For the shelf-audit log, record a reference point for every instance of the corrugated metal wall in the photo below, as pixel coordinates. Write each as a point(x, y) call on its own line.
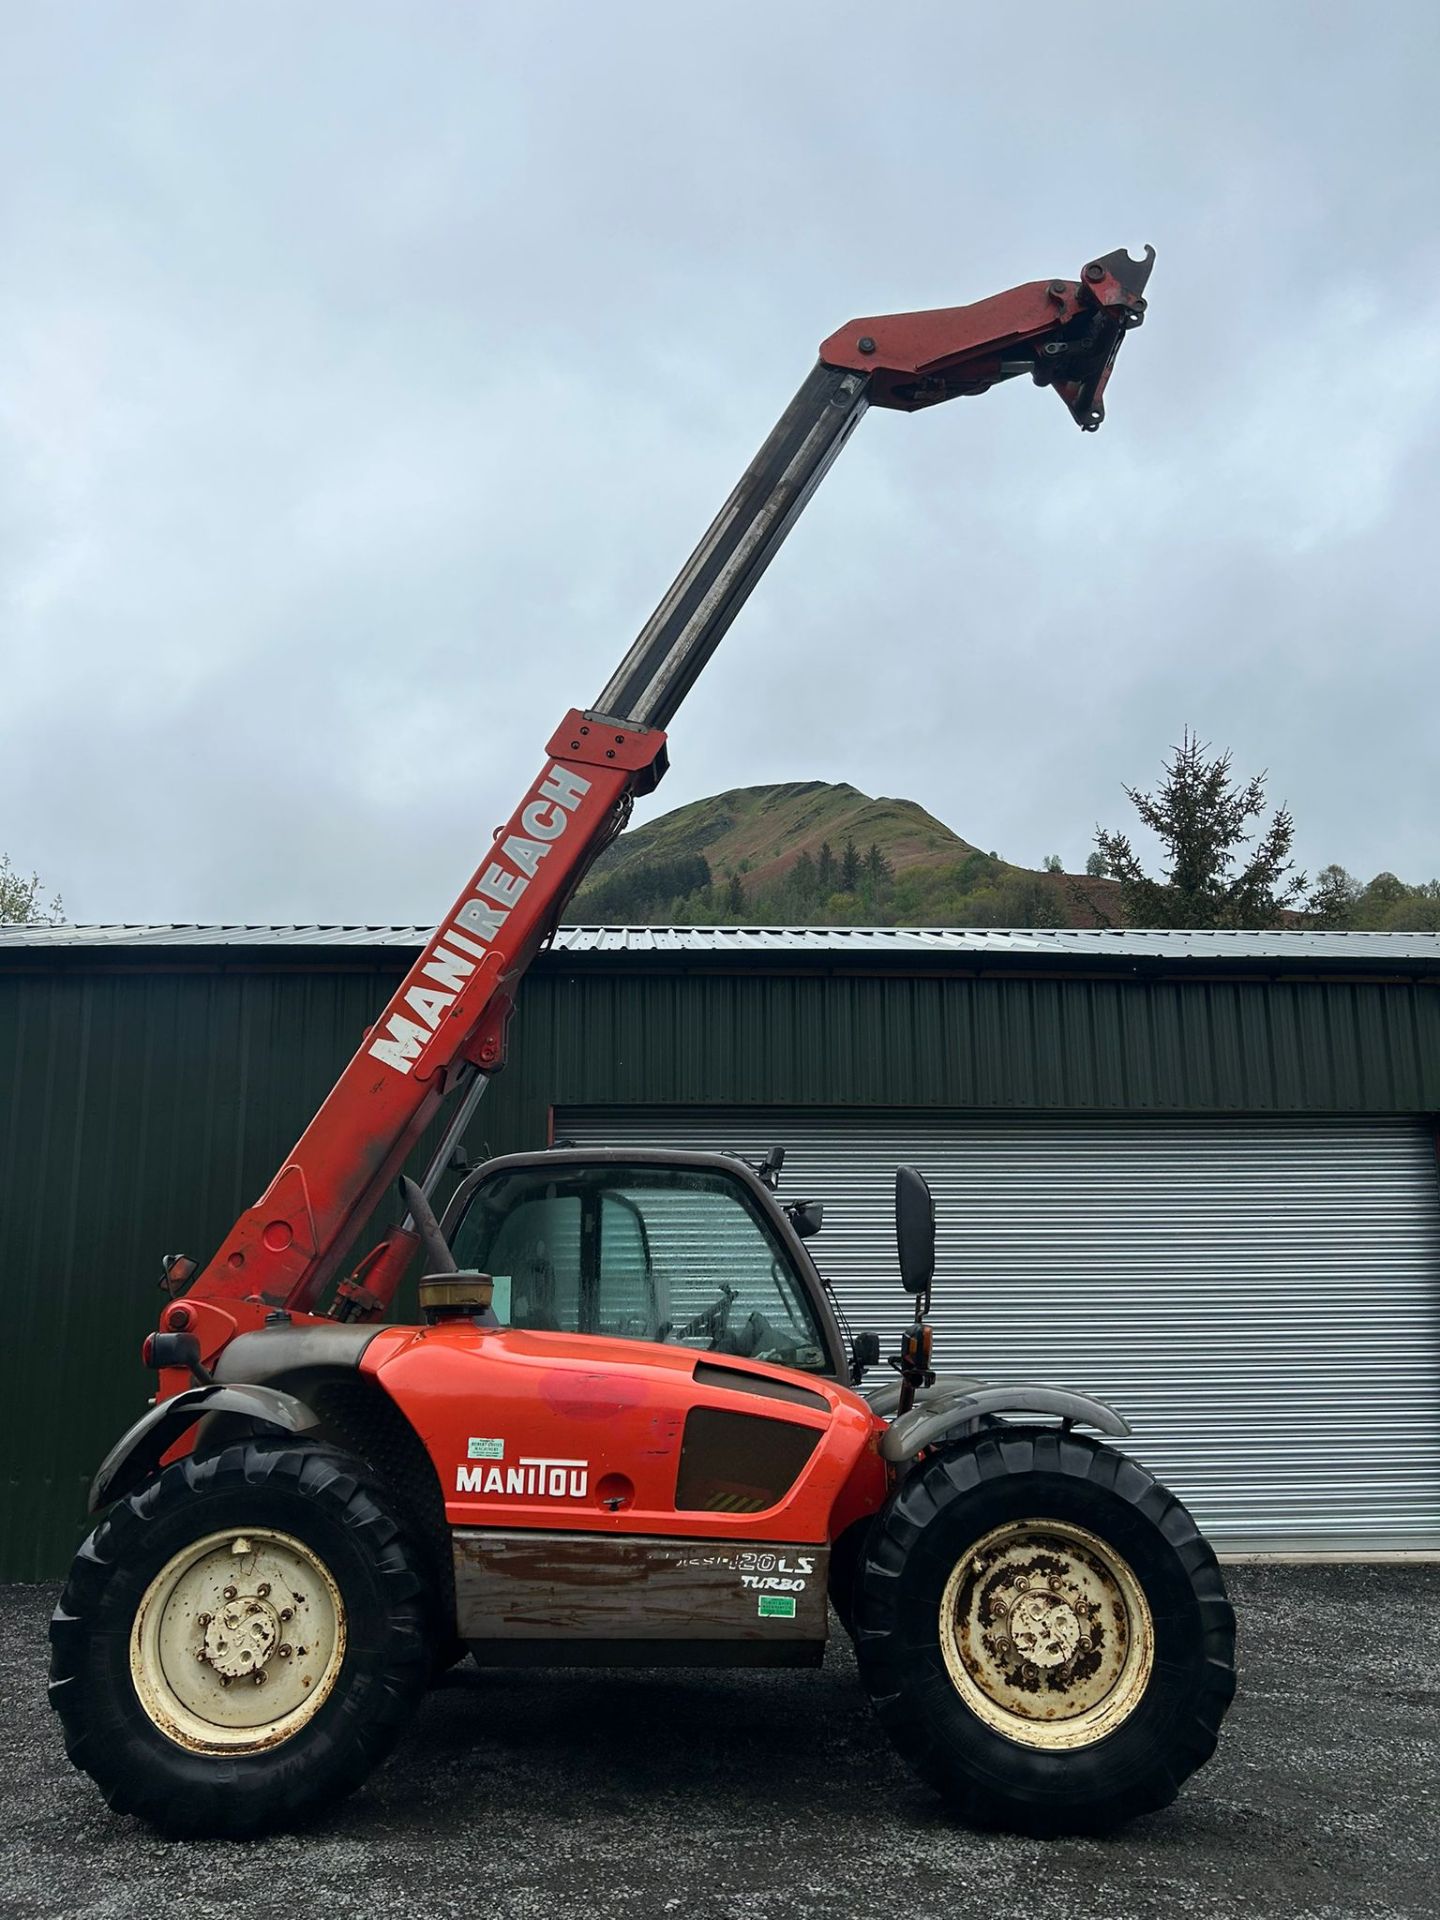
point(1224, 1046)
point(1259, 1297)
point(140, 1112)
point(141, 1108)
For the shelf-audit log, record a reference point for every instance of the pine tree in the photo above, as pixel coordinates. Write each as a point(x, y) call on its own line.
point(825, 870)
point(850, 866)
point(1202, 820)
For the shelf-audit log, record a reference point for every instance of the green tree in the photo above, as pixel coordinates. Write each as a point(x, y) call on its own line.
point(1095, 866)
point(825, 869)
point(20, 899)
point(878, 870)
point(803, 881)
point(1385, 892)
point(1028, 902)
point(735, 895)
point(1334, 897)
point(1387, 905)
point(850, 866)
point(1421, 912)
point(1215, 877)
point(1427, 907)
point(645, 891)
point(1054, 864)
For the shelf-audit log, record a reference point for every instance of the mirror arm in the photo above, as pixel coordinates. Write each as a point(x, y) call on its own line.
point(913, 1360)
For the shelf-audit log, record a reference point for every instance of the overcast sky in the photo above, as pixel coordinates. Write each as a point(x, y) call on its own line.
point(367, 371)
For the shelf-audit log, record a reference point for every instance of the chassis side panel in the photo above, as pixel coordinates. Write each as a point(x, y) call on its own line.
point(576, 1587)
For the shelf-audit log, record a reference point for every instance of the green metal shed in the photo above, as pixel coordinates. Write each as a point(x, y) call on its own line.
point(1195, 1173)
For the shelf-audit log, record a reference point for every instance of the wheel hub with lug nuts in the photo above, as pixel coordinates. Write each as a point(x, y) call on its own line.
point(242, 1636)
point(1046, 1634)
point(231, 1614)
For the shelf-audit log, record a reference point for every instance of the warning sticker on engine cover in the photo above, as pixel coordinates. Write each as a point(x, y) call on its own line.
point(777, 1606)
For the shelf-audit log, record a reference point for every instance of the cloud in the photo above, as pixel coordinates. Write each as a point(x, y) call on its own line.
point(365, 374)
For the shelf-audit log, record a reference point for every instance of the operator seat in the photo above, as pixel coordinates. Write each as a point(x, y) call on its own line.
point(532, 1292)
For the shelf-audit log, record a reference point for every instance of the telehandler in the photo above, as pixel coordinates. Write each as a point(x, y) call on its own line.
point(632, 1426)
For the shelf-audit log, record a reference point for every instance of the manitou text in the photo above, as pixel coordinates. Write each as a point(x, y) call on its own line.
point(537, 1479)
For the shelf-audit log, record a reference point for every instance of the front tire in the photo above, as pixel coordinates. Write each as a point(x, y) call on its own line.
point(1044, 1633)
point(240, 1641)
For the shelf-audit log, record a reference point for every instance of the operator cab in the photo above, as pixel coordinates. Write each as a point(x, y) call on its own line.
point(688, 1249)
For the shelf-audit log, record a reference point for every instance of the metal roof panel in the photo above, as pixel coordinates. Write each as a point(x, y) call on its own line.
point(1128, 943)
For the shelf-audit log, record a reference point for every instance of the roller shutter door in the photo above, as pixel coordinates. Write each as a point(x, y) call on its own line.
point(1261, 1299)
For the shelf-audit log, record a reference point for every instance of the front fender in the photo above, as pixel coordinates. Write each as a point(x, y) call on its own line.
point(137, 1453)
point(939, 1415)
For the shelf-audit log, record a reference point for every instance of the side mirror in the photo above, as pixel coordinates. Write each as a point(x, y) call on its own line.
point(914, 1229)
point(863, 1355)
point(806, 1217)
point(769, 1167)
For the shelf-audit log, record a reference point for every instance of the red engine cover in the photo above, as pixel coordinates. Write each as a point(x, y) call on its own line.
point(561, 1431)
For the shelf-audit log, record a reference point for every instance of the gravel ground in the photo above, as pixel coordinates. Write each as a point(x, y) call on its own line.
point(774, 1795)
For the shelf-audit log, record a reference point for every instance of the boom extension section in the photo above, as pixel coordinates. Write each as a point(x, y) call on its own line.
point(444, 1029)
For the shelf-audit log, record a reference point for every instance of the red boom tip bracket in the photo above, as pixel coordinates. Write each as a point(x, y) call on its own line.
point(1064, 333)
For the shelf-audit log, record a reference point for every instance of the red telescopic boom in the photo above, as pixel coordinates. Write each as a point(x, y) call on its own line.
point(443, 1032)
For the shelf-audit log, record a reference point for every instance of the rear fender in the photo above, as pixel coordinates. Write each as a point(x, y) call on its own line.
point(137, 1453)
point(945, 1414)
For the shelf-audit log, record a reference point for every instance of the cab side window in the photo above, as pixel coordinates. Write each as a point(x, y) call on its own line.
point(674, 1254)
point(533, 1250)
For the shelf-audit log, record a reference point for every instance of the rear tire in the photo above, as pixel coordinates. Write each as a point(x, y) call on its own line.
point(1044, 1633)
point(272, 1560)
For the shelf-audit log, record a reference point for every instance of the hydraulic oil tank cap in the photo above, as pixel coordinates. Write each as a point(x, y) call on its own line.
point(455, 1296)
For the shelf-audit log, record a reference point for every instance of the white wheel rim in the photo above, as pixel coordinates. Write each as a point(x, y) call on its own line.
point(238, 1641)
point(1047, 1634)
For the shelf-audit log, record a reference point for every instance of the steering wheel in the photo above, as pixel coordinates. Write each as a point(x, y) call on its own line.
point(714, 1319)
point(720, 1314)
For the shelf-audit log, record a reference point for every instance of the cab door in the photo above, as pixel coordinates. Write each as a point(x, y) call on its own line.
point(680, 1249)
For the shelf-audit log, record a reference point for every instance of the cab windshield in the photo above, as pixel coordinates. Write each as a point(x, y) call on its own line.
point(672, 1254)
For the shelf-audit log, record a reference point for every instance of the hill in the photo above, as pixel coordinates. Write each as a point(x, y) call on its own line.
point(819, 853)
